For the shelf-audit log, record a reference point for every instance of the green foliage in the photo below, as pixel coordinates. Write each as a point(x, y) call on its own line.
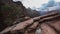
point(13, 12)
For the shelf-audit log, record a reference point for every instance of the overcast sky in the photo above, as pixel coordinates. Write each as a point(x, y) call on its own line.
point(34, 3)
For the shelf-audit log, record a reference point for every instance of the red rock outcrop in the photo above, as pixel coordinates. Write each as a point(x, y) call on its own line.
point(49, 24)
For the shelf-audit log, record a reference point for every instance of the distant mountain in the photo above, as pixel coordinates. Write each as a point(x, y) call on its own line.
point(32, 13)
point(51, 5)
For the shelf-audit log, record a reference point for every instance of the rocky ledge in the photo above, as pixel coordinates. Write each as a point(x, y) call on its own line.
point(49, 24)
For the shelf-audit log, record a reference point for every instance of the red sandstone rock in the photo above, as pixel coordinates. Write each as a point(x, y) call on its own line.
point(47, 29)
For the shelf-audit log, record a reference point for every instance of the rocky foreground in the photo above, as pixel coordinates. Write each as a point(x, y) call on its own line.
point(46, 24)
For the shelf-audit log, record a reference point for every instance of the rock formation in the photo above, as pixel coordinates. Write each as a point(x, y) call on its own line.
point(49, 24)
point(12, 13)
point(32, 13)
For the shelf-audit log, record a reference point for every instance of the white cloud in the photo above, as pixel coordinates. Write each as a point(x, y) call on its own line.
point(17, 0)
point(33, 3)
point(57, 0)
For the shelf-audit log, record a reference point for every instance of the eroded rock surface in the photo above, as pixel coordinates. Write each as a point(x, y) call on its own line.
point(49, 24)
